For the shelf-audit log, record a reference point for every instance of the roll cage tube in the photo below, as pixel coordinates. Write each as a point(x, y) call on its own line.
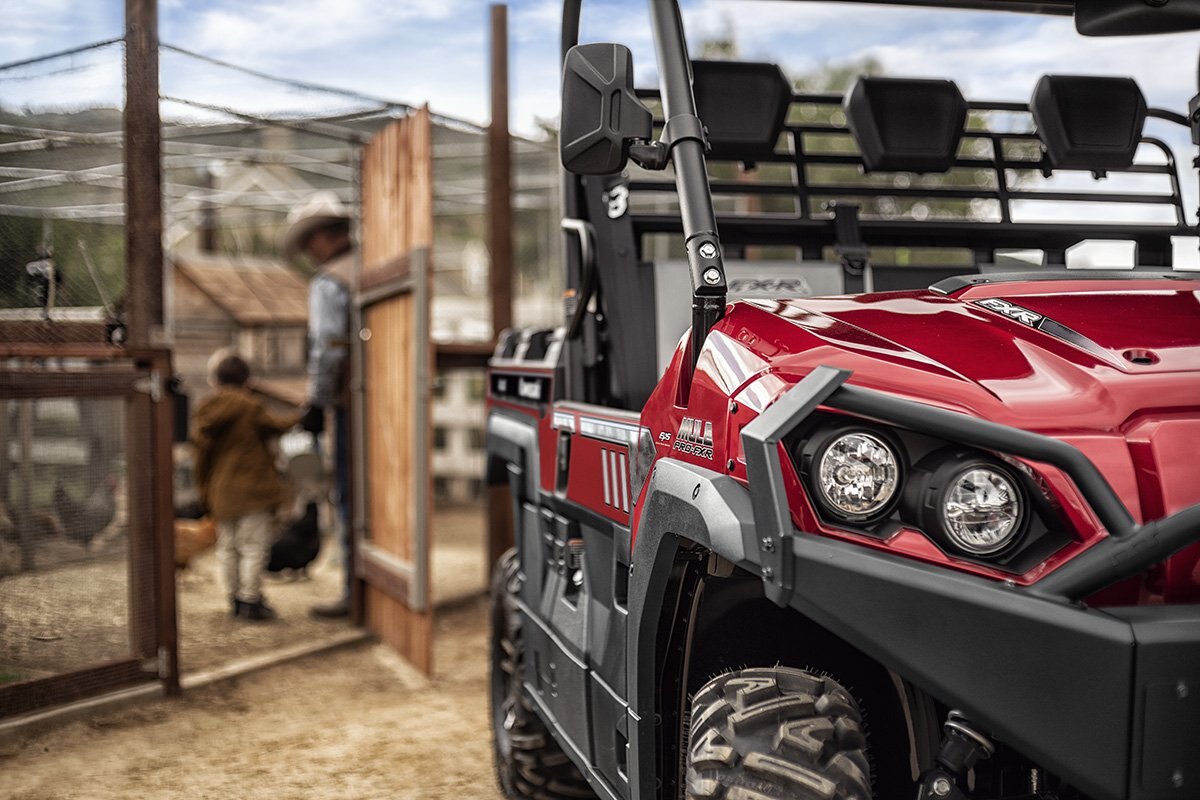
point(683, 134)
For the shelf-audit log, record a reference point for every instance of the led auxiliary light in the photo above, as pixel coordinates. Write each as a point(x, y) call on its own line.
point(857, 475)
point(982, 509)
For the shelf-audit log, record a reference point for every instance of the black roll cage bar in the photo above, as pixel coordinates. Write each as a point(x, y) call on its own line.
point(704, 255)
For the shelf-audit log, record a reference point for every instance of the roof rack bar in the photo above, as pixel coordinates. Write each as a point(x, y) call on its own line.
point(917, 193)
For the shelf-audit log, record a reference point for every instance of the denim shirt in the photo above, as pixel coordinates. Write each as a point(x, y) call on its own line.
point(329, 330)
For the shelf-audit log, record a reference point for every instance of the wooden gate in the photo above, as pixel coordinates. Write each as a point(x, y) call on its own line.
point(393, 359)
point(87, 581)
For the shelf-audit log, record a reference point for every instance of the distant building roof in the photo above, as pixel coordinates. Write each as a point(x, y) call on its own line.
point(254, 291)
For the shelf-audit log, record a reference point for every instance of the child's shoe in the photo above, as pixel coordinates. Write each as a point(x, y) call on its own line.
point(258, 611)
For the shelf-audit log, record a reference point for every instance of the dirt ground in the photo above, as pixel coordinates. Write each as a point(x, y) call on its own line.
point(209, 638)
point(73, 611)
point(355, 723)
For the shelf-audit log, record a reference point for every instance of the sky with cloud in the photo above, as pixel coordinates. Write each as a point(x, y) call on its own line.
point(436, 50)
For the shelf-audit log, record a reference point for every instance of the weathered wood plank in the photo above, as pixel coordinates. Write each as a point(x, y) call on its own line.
point(397, 221)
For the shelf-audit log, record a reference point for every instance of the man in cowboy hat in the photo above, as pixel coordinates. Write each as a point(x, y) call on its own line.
point(319, 229)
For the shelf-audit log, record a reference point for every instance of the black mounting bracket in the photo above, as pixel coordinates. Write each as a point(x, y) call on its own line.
point(679, 128)
point(853, 252)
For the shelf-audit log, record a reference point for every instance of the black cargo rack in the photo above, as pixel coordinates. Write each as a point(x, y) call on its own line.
point(1005, 157)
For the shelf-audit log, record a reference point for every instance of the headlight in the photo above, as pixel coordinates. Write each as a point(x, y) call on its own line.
point(981, 509)
point(857, 475)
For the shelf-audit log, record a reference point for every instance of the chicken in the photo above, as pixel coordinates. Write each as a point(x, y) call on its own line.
point(84, 521)
point(193, 510)
point(299, 544)
point(193, 537)
point(26, 530)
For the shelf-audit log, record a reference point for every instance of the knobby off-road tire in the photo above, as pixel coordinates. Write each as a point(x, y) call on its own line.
point(529, 763)
point(770, 734)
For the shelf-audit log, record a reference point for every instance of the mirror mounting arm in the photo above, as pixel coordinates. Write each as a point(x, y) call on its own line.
point(657, 155)
point(653, 156)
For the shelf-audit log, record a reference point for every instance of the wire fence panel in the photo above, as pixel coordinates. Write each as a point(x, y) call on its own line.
point(63, 534)
point(79, 607)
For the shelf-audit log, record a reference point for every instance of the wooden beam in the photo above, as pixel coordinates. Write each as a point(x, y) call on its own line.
point(385, 571)
point(83, 349)
point(500, 243)
point(163, 526)
point(500, 214)
point(38, 334)
point(143, 176)
point(462, 355)
point(33, 695)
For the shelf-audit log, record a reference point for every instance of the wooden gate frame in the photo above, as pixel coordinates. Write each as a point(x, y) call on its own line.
point(153, 627)
point(392, 412)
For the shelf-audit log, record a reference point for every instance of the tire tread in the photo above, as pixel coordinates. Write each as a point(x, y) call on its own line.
point(771, 734)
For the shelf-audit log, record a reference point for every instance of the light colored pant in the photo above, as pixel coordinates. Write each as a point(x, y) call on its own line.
point(243, 548)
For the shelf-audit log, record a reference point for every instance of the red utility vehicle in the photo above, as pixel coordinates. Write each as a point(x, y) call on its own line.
point(891, 518)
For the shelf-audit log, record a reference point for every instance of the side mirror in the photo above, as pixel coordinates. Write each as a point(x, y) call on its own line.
point(600, 113)
point(1131, 17)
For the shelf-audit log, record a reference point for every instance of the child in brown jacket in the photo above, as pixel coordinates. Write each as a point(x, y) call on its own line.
point(238, 482)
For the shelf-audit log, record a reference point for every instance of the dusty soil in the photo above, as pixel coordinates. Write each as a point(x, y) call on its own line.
point(355, 723)
point(73, 611)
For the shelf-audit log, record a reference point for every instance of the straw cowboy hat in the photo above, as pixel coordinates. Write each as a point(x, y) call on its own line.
point(319, 211)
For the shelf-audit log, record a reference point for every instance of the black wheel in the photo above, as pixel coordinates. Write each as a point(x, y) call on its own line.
point(771, 734)
point(529, 763)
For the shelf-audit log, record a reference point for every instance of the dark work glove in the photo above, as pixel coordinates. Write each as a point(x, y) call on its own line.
point(313, 420)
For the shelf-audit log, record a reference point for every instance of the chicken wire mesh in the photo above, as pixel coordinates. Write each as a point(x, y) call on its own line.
point(61, 193)
point(64, 537)
point(240, 148)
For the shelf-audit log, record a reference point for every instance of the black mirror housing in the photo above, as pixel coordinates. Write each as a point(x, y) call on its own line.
point(600, 113)
point(1132, 17)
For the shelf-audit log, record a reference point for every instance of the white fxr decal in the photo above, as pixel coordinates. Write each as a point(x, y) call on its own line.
point(1010, 310)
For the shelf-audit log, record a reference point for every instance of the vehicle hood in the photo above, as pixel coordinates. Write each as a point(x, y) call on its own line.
point(1042, 349)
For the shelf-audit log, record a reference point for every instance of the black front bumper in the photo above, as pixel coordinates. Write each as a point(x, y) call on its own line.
point(1109, 700)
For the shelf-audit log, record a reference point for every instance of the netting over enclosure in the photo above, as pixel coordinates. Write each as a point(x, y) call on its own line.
point(240, 148)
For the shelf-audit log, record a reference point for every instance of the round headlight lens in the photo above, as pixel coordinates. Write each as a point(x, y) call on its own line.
point(982, 510)
point(858, 474)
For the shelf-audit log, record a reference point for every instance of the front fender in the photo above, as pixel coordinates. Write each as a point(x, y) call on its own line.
point(1054, 680)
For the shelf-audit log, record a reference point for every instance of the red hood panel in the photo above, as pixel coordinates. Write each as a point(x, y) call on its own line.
point(1161, 326)
point(1085, 361)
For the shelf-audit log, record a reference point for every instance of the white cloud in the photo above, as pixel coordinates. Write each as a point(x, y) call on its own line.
point(1007, 66)
point(418, 50)
point(268, 29)
point(32, 29)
